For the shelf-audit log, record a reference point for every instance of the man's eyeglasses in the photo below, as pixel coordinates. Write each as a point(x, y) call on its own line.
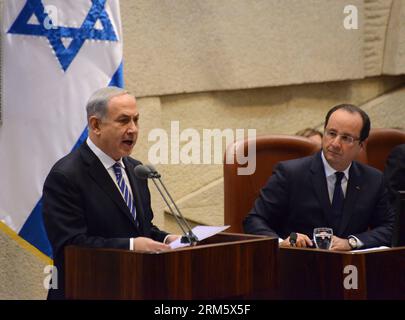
point(344, 138)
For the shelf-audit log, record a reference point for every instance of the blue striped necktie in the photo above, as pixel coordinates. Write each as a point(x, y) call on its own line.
point(124, 189)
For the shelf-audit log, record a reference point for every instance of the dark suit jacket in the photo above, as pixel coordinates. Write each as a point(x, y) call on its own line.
point(394, 171)
point(295, 199)
point(83, 206)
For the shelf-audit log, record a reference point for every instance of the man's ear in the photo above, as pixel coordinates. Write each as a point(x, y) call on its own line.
point(363, 144)
point(94, 124)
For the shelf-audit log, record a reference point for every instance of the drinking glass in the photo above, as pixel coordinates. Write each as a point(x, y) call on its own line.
point(323, 237)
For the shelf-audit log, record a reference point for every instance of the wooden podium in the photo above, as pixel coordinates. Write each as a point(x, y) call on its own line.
point(320, 274)
point(225, 266)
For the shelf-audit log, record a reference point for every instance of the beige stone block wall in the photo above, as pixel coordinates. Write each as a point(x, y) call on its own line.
point(21, 268)
point(376, 17)
point(394, 55)
point(205, 45)
point(220, 45)
point(388, 110)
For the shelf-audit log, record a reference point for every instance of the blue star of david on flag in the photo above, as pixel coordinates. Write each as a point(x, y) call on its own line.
point(46, 28)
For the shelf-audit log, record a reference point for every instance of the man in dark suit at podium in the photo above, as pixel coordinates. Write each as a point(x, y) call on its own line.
point(327, 189)
point(92, 197)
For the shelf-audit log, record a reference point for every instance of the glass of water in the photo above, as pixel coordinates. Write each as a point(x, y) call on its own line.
point(323, 237)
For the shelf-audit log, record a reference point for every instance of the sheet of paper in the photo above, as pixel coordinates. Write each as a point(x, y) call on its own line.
point(370, 249)
point(202, 232)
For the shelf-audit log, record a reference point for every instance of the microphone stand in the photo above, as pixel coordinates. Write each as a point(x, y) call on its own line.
point(189, 236)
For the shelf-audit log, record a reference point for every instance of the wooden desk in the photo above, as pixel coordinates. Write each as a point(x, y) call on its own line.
point(319, 274)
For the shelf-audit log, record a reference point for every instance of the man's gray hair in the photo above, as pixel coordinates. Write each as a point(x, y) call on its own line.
point(98, 102)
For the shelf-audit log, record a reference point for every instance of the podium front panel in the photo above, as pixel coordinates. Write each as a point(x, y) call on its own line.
point(226, 266)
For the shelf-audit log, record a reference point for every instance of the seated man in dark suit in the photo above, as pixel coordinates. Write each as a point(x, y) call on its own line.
point(394, 172)
point(92, 197)
point(327, 189)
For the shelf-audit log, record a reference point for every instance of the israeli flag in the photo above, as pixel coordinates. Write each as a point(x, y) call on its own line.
point(55, 54)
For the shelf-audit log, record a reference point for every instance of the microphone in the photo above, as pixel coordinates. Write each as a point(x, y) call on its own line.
point(143, 172)
point(293, 239)
point(149, 172)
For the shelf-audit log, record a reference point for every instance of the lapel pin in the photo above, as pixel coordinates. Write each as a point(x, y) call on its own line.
point(357, 187)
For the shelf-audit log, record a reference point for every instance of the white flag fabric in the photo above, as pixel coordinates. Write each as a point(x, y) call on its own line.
point(55, 55)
